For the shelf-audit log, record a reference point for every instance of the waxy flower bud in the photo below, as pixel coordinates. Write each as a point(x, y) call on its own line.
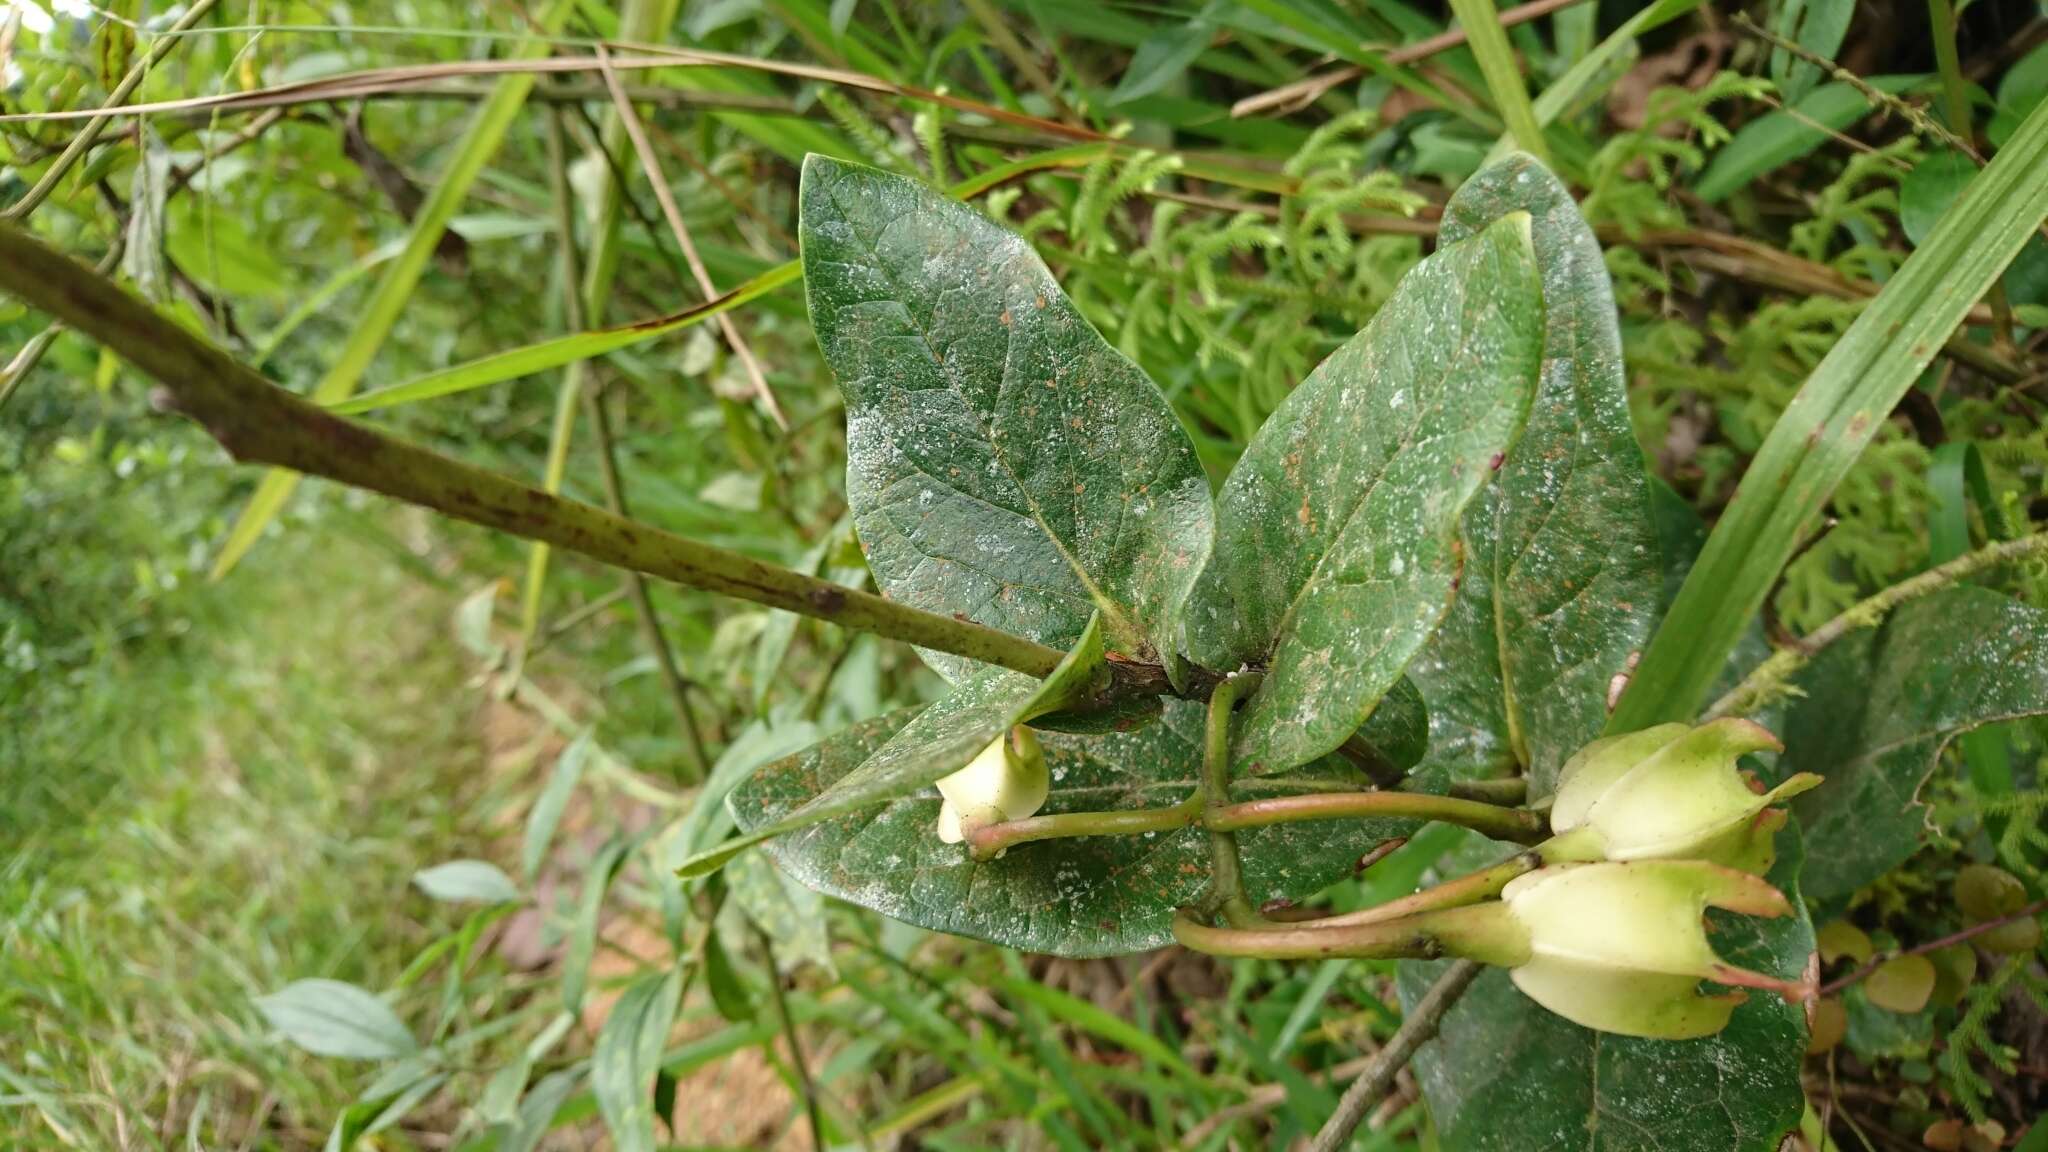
point(1007, 781)
point(1672, 792)
point(1623, 947)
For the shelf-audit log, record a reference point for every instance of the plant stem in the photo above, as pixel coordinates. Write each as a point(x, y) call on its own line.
point(607, 452)
point(1941, 19)
point(1973, 931)
point(805, 1084)
point(1226, 877)
point(1489, 819)
point(630, 121)
point(1770, 679)
point(1314, 940)
point(1416, 1030)
point(258, 422)
point(1508, 790)
point(1480, 932)
point(1472, 888)
point(992, 840)
point(90, 134)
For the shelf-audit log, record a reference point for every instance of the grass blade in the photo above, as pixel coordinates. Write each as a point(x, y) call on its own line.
point(395, 287)
point(553, 353)
point(1489, 42)
point(1835, 414)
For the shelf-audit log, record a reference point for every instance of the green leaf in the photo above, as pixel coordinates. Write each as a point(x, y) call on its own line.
point(940, 741)
point(728, 992)
point(1828, 424)
point(2025, 85)
point(1003, 461)
point(467, 882)
point(1585, 80)
point(1928, 190)
point(1815, 25)
point(628, 1054)
point(394, 288)
point(1562, 563)
point(542, 355)
point(1680, 536)
point(554, 800)
point(1879, 708)
point(332, 1018)
point(1570, 1087)
point(792, 915)
point(1094, 896)
point(1398, 729)
point(581, 945)
point(1337, 548)
point(537, 1111)
point(1776, 139)
point(1164, 57)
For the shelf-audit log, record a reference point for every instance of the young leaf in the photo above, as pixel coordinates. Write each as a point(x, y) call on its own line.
point(1880, 706)
point(1094, 896)
point(1562, 566)
point(1337, 548)
point(331, 1018)
point(467, 882)
point(1736, 1091)
point(1003, 461)
point(940, 741)
point(628, 1054)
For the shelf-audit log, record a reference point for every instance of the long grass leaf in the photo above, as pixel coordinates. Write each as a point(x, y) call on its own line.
point(1823, 431)
point(399, 278)
point(1489, 43)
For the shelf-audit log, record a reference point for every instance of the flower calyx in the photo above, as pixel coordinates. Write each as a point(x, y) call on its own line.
point(1672, 792)
point(1006, 781)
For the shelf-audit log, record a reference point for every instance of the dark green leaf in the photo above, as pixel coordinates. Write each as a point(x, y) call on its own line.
point(331, 1018)
point(467, 882)
point(2025, 85)
point(1337, 548)
point(1928, 190)
point(1164, 57)
point(1880, 706)
point(1771, 141)
point(628, 1054)
point(1680, 536)
point(1398, 730)
point(1567, 1087)
point(1083, 897)
point(941, 740)
point(1003, 461)
point(1815, 25)
point(728, 991)
point(1562, 565)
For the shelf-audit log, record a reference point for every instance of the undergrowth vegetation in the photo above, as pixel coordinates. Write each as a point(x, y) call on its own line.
point(326, 820)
